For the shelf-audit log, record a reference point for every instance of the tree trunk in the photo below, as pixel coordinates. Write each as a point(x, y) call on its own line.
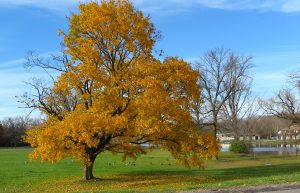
point(215, 128)
point(88, 171)
point(216, 137)
point(284, 139)
point(236, 133)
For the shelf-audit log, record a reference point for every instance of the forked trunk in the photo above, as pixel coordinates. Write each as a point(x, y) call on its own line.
point(88, 171)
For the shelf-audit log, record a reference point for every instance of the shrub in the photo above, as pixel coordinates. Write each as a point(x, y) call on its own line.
point(238, 147)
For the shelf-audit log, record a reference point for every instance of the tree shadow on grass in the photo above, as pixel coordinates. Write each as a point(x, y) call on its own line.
point(192, 176)
point(256, 171)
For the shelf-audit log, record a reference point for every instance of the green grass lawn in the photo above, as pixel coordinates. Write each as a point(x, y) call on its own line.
point(154, 172)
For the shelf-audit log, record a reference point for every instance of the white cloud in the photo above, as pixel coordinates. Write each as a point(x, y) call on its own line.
point(18, 63)
point(291, 6)
point(286, 6)
point(59, 7)
point(50, 4)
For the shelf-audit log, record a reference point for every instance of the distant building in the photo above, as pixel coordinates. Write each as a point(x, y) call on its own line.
point(230, 136)
point(291, 132)
point(250, 137)
point(225, 136)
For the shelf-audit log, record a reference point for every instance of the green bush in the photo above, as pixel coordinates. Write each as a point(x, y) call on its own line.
point(238, 147)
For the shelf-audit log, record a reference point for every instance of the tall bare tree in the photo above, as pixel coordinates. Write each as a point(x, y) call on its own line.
point(222, 76)
point(239, 101)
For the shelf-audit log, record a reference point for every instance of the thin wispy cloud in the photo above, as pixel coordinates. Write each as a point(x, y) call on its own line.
point(291, 6)
point(286, 6)
point(20, 62)
point(13, 76)
point(48, 4)
point(12, 64)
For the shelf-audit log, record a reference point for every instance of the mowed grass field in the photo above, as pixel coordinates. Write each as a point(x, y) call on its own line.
point(154, 172)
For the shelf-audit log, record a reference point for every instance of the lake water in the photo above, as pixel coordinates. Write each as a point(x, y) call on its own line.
point(278, 149)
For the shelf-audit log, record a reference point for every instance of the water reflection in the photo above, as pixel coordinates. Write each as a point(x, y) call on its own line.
point(279, 149)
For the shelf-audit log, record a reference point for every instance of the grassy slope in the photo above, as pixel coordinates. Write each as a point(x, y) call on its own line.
point(154, 172)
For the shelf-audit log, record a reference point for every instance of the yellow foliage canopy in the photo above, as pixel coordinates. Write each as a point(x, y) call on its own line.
point(124, 97)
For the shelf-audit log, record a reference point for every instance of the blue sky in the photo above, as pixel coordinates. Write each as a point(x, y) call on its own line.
point(268, 30)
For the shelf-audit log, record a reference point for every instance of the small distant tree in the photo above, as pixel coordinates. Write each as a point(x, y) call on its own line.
point(268, 126)
point(249, 123)
point(113, 95)
point(238, 147)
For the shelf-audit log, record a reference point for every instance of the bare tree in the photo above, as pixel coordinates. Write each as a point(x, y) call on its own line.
point(284, 105)
point(222, 76)
point(235, 108)
point(251, 117)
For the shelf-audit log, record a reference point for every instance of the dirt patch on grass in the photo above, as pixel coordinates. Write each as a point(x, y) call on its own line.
point(251, 189)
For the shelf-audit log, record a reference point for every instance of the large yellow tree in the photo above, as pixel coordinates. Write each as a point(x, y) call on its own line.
point(113, 95)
